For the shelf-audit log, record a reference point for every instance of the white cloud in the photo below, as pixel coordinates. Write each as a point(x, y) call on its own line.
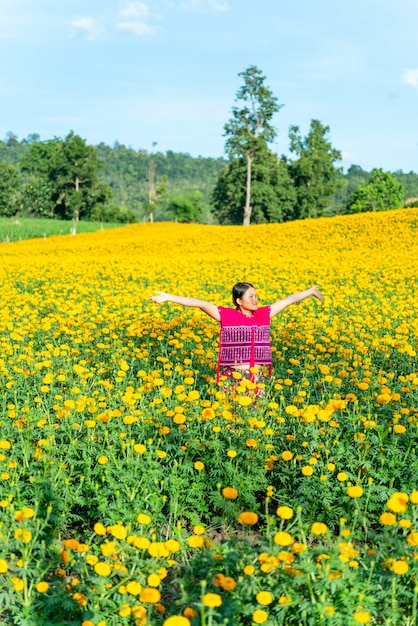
point(205, 6)
point(88, 26)
point(137, 10)
point(410, 77)
point(137, 16)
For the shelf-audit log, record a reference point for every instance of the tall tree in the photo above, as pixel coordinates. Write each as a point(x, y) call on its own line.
point(313, 171)
point(382, 192)
point(250, 128)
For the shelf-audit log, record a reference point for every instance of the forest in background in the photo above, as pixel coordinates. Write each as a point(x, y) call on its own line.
point(135, 179)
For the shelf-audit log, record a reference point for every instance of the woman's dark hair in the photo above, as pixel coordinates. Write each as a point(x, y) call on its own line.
point(238, 291)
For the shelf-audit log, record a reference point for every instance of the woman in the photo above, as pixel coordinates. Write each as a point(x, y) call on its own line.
point(244, 345)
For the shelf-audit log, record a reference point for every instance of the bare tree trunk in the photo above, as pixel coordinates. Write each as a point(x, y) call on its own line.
point(151, 188)
point(76, 211)
point(248, 208)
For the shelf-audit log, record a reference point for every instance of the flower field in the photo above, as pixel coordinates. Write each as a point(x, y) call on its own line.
point(134, 492)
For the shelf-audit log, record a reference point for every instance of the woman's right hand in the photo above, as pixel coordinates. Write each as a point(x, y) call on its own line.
point(159, 297)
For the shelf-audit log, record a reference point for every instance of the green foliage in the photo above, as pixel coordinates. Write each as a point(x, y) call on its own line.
point(115, 214)
point(251, 124)
point(273, 194)
point(381, 193)
point(313, 171)
point(8, 184)
point(127, 172)
point(20, 228)
point(70, 169)
point(187, 208)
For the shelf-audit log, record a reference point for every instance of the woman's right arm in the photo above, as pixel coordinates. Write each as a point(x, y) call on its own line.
point(207, 307)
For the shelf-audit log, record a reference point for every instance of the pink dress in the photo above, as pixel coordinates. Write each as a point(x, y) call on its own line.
point(244, 340)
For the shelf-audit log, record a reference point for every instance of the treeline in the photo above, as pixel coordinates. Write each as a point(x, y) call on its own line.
point(68, 179)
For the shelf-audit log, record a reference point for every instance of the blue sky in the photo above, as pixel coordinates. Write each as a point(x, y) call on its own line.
point(165, 72)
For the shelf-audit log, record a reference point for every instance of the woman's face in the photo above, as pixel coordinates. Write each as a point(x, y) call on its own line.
point(248, 301)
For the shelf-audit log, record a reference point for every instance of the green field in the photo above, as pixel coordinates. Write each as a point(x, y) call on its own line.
point(19, 228)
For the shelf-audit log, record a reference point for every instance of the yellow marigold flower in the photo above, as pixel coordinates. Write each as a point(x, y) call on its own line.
point(284, 512)
point(139, 448)
point(398, 502)
point(158, 549)
point(99, 529)
point(399, 567)
point(399, 429)
point(189, 612)
point(307, 470)
point(161, 454)
point(139, 612)
point(199, 466)
point(125, 610)
point(232, 454)
point(177, 620)
point(4, 444)
point(264, 597)
point(23, 535)
point(329, 611)
point(108, 547)
point(91, 559)
point(102, 569)
point(249, 570)
point(198, 529)
point(362, 617)
point(102, 460)
point(355, 491)
point(287, 455)
point(144, 519)
point(134, 588)
point(18, 583)
point(153, 580)
point(413, 496)
point(3, 566)
point(150, 595)
point(412, 538)
point(283, 538)
point(319, 528)
point(228, 583)
point(42, 586)
point(71, 544)
point(195, 541)
point(80, 598)
point(212, 600)
point(298, 547)
point(284, 600)
point(118, 531)
point(388, 519)
point(251, 443)
point(172, 545)
point(230, 493)
point(405, 523)
point(28, 512)
point(248, 518)
point(260, 616)
point(342, 476)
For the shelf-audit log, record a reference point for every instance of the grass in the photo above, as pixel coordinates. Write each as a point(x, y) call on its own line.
point(19, 228)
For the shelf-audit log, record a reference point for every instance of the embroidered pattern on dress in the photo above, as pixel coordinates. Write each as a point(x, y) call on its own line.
point(236, 342)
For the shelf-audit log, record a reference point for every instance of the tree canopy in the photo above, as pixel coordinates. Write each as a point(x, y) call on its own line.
point(382, 192)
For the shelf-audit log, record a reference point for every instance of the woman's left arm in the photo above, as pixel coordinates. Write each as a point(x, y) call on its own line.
point(294, 298)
